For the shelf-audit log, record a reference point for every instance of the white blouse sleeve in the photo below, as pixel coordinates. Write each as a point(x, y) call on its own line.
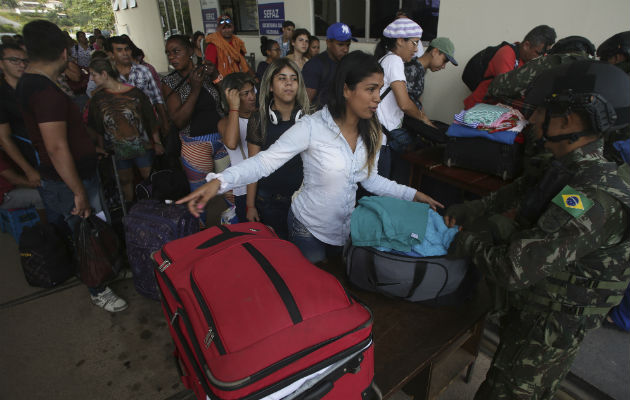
point(292, 142)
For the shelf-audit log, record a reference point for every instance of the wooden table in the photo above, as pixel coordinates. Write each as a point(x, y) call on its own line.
point(429, 162)
point(418, 348)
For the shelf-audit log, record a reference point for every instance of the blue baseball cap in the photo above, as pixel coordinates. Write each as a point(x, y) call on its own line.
point(340, 32)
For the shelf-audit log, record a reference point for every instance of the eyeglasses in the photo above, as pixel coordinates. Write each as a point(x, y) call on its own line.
point(16, 60)
point(415, 42)
point(225, 21)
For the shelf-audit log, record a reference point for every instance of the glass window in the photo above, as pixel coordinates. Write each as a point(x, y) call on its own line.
point(175, 15)
point(381, 14)
point(353, 14)
point(325, 15)
point(425, 13)
point(244, 13)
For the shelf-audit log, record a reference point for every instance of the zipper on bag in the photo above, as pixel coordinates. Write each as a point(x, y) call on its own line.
point(212, 334)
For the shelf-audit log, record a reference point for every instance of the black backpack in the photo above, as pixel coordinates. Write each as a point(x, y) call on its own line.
point(45, 257)
point(476, 67)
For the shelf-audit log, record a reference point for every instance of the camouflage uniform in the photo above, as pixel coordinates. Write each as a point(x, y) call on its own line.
point(512, 85)
point(555, 273)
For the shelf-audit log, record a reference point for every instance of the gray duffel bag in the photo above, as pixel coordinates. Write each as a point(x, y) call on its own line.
point(436, 279)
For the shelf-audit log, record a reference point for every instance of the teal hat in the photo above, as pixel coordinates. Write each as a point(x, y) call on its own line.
point(445, 46)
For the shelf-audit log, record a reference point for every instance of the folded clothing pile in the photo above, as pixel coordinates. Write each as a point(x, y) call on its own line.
point(401, 227)
point(499, 123)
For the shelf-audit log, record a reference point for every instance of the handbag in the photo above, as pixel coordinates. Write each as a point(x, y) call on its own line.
point(99, 255)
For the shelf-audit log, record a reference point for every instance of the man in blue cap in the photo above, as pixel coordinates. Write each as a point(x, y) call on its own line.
point(320, 70)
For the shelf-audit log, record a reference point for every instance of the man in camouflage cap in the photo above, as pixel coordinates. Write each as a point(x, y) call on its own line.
point(554, 250)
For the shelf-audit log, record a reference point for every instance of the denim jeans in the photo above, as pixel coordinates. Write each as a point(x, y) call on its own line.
point(312, 248)
point(58, 197)
point(272, 210)
point(400, 140)
point(241, 207)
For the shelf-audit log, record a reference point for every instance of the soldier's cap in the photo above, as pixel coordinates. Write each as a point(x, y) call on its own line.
point(445, 46)
point(616, 44)
point(599, 88)
point(573, 44)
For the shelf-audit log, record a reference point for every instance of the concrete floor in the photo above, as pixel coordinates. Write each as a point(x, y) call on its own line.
point(54, 344)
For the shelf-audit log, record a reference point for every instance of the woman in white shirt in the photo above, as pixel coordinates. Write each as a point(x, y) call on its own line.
point(339, 148)
point(399, 44)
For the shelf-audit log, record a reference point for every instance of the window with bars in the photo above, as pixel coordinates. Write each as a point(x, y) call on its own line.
point(175, 16)
point(368, 18)
point(243, 12)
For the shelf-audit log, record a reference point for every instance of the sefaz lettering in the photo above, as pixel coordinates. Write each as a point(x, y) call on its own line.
point(271, 13)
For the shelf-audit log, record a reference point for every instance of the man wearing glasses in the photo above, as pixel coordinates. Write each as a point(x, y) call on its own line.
point(507, 58)
point(13, 136)
point(225, 49)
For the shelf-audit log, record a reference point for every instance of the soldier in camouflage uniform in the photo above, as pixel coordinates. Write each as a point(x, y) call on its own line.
point(511, 87)
point(554, 250)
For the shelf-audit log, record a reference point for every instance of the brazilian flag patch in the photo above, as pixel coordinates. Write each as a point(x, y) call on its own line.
point(572, 201)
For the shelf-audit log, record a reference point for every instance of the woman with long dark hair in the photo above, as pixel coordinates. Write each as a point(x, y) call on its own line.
point(339, 148)
point(194, 106)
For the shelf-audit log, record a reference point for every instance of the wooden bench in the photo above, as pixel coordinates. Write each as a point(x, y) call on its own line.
point(429, 162)
point(418, 348)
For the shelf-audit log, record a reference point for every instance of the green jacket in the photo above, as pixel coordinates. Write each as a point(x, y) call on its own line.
point(569, 260)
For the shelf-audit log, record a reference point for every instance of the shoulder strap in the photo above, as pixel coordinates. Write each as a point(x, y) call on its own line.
point(389, 89)
point(386, 92)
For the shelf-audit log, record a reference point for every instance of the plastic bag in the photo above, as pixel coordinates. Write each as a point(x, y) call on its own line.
point(98, 252)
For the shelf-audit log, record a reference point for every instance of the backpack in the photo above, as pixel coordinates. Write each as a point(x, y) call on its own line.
point(44, 255)
point(475, 69)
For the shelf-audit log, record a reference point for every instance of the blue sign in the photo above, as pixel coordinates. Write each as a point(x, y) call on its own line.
point(209, 16)
point(270, 18)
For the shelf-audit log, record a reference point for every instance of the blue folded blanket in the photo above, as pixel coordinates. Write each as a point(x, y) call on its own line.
point(456, 130)
point(437, 239)
point(406, 227)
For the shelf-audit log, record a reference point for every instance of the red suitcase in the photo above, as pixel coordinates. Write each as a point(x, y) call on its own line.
point(251, 317)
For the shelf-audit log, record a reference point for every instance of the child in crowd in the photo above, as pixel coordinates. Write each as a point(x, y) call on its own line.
point(339, 148)
point(299, 47)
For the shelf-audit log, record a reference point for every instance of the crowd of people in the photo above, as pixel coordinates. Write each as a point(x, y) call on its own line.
point(289, 142)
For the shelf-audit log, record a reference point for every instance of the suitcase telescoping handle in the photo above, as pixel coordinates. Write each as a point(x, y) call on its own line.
point(353, 366)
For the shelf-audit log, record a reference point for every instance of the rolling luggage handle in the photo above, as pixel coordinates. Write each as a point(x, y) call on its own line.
point(353, 366)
